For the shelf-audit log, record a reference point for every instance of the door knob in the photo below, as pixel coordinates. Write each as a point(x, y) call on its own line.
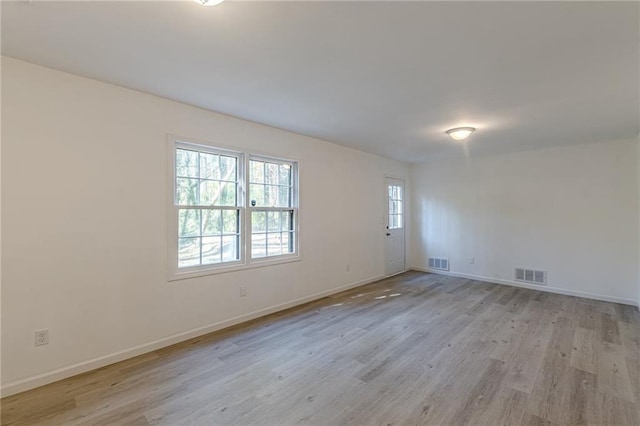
point(388, 234)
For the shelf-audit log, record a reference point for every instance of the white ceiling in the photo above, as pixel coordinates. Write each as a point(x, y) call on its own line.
point(383, 77)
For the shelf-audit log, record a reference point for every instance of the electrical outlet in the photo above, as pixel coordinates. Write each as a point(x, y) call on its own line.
point(42, 337)
point(243, 291)
point(472, 260)
point(348, 267)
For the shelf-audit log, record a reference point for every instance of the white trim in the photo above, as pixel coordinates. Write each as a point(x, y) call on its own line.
point(548, 289)
point(256, 263)
point(85, 366)
point(396, 273)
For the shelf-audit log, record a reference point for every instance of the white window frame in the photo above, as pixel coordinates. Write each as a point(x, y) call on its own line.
point(294, 206)
point(243, 205)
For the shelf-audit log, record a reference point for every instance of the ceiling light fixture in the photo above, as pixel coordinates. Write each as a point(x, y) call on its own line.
point(460, 133)
point(208, 2)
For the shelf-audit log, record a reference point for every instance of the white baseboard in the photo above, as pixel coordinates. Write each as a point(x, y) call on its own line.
point(85, 366)
point(548, 289)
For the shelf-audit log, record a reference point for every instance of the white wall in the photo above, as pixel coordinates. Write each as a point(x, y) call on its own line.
point(84, 248)
point(572, 211)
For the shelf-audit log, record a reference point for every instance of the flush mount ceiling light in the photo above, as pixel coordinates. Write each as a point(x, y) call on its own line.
point(460, 133)
point(208, 2)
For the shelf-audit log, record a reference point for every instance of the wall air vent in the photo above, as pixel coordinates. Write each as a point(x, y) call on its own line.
point(531, 276)
point(439, 263)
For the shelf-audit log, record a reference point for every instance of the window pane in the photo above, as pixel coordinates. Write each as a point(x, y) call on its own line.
point(399, 207)
point(186, 163)
point(287, 242)
point(256, 193)
point(209, 192)
point(399, 193)
point(287, 221)
point(399, 221)
point(187, 191)
point(258, 221)
point(209, 166)
point(211, 222)
point(227, 168)
point(211, 250)
point(283, 199)
point(272, 173)
point(285, 174)
point(229, 248)
point(188, 223)
point(273, 221)
point(270, 196)
point(258, 245)
point(274, 244)
point(284, 240)
point(230, 221)
point(188, 252)
point(256, 172)
point(227, 194)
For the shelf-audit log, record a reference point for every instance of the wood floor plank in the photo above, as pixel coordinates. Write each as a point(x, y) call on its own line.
point(413, 349)
point(633, 366)
point(481, 397)
point(609, 410)
point(547, 397)
point(630, 337)
point(609, 330)
point(613, 375)
point(584, 355)
point(533, 420)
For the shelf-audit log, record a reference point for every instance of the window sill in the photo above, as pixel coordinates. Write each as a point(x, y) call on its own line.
point(258, 263)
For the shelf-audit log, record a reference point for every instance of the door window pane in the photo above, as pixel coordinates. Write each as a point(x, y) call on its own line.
point(395, 206)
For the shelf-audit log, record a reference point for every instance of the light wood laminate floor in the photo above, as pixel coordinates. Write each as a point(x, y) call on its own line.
point(413, 349)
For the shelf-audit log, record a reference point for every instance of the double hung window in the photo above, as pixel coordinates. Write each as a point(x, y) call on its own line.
point(230, 210)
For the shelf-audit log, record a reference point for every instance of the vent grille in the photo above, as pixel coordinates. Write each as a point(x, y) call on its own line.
point(531, 276)
point(439, 263)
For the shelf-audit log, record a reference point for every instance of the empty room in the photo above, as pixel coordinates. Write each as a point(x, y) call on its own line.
point(320, 212)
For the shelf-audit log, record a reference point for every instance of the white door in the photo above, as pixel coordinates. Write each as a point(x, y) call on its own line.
point(395, 224)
